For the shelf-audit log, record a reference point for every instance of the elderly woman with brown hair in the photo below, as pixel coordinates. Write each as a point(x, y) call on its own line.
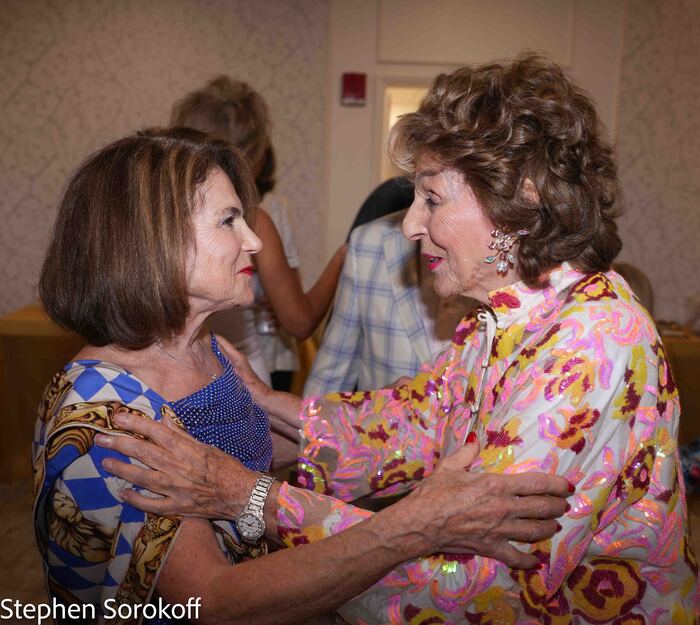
point(151, 238)
point(561, 371)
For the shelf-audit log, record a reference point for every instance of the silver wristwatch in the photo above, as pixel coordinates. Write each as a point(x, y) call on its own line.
point(251, 523)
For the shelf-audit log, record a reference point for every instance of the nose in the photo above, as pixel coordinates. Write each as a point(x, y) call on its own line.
point(414, 224)
point(251, 242)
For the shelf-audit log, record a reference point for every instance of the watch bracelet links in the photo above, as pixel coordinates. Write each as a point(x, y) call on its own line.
point(258, 497)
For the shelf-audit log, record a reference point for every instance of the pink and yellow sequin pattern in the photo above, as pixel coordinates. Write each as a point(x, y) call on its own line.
point(577, 384)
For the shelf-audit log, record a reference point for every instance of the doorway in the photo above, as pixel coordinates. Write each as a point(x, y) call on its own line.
point(398, 100)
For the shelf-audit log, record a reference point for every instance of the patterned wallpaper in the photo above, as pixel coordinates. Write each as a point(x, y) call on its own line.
point(658, 136)
point(79, 73)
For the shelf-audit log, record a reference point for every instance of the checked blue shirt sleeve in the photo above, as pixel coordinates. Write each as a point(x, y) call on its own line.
point(337, 363)
point(376, 331)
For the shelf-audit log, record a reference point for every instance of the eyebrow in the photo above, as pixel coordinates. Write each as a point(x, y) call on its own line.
point(235, 210)
point(426, 173)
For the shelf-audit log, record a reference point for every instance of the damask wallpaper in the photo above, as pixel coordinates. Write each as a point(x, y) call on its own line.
point(658, 134)
point(79, 73)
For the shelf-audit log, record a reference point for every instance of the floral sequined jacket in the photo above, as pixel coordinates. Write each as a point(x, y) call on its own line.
point(571, 379)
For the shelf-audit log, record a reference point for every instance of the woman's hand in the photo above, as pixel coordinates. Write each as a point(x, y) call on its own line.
point(480, 513)
point(195, 479)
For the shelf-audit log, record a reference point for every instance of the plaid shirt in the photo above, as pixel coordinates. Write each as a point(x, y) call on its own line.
point(376, 333)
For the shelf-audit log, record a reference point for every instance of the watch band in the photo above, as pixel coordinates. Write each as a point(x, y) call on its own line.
point(256, 503)
point(251, 521)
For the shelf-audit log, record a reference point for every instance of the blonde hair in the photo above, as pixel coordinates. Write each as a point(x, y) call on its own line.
point(230, 110)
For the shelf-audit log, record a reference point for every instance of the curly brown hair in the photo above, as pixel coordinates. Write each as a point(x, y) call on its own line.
point(529, 143)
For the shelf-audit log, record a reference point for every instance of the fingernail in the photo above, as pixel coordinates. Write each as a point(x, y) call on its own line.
point(568, 508)
point(558, 527)
point(107, 464)
point(471, 438)
point(572, 488)
point(103, 440)
point(119, 418)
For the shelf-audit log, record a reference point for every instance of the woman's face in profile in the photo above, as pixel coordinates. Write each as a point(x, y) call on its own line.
point(220, 267)
point(453, 232)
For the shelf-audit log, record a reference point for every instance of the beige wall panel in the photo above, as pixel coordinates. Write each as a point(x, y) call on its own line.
point(659, 149)
point(473, 31)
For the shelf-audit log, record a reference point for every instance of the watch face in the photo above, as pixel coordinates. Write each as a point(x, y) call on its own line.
point(250, 526)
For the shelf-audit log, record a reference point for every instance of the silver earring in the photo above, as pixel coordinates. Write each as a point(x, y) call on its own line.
point(502, 243)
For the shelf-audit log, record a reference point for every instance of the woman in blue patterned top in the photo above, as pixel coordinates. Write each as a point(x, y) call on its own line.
point(151, 238)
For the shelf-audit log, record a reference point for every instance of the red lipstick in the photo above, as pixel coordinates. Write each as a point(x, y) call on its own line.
point(248, 271)
point(433, 261)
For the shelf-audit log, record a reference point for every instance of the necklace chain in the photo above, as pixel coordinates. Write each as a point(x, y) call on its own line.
point(213, 376)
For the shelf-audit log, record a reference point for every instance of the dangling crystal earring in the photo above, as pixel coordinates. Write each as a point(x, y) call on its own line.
point(502, 242)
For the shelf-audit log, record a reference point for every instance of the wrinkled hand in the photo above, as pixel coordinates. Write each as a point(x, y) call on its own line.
point(195, 479)
point(480, 512)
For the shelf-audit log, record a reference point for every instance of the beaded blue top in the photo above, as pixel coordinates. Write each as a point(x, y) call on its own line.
point(224, 414)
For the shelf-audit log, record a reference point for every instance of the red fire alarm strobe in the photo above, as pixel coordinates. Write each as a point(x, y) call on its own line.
point(353, 90)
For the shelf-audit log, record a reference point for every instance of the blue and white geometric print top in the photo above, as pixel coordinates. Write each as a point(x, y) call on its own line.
point(72, 483)
point(224, 414)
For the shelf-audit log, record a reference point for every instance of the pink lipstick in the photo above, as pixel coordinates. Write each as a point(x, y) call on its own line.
point(433, 261)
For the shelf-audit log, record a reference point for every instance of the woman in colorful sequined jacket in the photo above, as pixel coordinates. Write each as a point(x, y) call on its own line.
point(561, 371)
point(150, 239)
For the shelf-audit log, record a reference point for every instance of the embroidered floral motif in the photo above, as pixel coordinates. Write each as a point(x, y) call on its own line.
point(396, 471)
point(635, 476)
point(467, 329)
point(606, 588)
point(539, 603)
point(414, 615)
point(498, 452)
point(573, 436)
point(504, 300)
point(571, 375)
point(592, 288)
point(491, 607)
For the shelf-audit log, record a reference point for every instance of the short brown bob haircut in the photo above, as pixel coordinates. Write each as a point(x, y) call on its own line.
point(115, 268)
point(503, 125)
